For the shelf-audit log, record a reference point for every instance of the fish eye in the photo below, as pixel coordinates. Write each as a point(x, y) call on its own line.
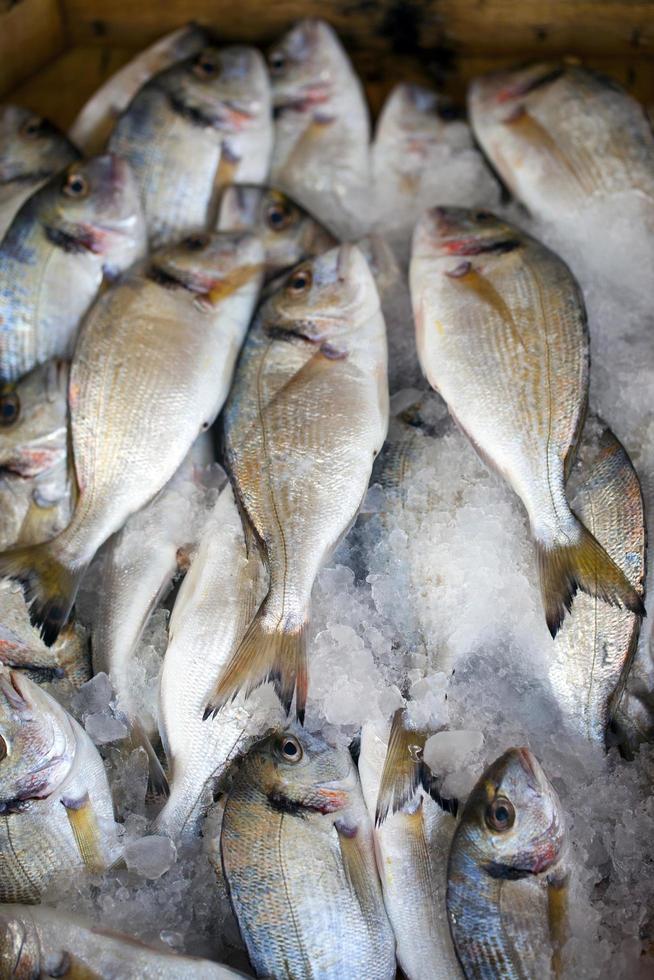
point(299, 282)
point(500, 814)
point(9, 408)
point(290, 749)
point(196, 243)
point(76, 185)
point(4, 748)
point(278, 217)
point(276, 62)
point(31, 127)
point(206, 65)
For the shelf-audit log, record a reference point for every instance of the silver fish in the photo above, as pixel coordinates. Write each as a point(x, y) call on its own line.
point(84, 223)
point(56, 813)
point(501, 334)
point(306, 417)
point(131, 430)
point(561, 136)
point(295, 830)
point(94, 122)
point(41, 941)
point(32, 149)
point(214, 607)
point(322, 128)
point(507, 875)
point(193, 129)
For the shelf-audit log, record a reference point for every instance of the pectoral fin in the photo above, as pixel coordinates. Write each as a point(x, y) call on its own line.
point(84, 825)
point(362, 880)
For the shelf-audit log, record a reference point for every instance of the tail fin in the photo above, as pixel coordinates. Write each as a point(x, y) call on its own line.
point(405, 770)
point(50, 586)
point(269, 651)
point(157, 779)
point(585, 565)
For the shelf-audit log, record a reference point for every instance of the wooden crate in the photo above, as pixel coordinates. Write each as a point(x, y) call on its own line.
point(54, 53)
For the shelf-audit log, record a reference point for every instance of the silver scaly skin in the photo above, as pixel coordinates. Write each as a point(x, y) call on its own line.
point(297, 853)
point(83, 223)
point(56, 812)
point(192, 130)
point(501, 335)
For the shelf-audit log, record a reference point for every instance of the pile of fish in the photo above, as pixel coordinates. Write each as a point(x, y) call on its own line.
point(254, 670)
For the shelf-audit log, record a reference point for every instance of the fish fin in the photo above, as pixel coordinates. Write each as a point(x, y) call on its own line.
point(70, 967)
point(356, 866)
point(50, 586)
point(157, 779)
point(584, 565)
point(557, 916)
point(267, 652)
point(84, 825)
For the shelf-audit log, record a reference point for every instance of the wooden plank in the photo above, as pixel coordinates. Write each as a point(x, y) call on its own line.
point(31, 33)
point(425, 28)
point(60, 89)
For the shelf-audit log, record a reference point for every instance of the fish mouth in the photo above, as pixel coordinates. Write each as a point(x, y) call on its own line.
point(12, 687)
point(304, 98)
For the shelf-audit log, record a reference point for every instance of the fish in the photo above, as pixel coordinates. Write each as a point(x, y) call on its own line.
point(632, 713)
point(508, 873)
point(215, 605)
point(306, 417)
point(593, 651)
point(295, 829)
point(138, 567)
point(138, 400)
point(289, 234)
point(502, 336)
point(412, 841)
point(85, 223)
point(322, 128)
point(36, 497)
point(95, 121)
point(32, 149)
point(56, 812)
point(561, 136)
point(40, 941)
point(190, 131)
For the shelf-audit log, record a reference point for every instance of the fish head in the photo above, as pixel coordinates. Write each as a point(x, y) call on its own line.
point(222, 88)
point(94, 206)
point(31, 147)
point(37, 742)
point(33, 419)
point(288, 233)
point(212, 265)
point(494, 98)
point(19, 944)
point(448, 232)
point(513, 817)
point(299, 771)
point(306, 66)
point(325, 299)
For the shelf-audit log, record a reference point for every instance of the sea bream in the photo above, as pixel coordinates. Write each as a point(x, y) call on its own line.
point(56, 812)
point(295, 832)
point(84, 223)
point(32, 149)
point(305, 419)
point(502, 336)
point(322, 128)
point(214, 607)
point(191, 130)
point(561, 136)
point(508, 873)
point(97, 117)
point(41, 941)
point(151, 370)
point(594, 649)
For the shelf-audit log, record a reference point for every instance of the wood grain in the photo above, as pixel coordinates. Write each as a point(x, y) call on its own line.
point(414, 27)
point(31, 32)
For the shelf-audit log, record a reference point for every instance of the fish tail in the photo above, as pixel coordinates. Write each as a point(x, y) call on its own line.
point(271, 650)
point(50, 585)
point(578, 561)
point(157, 779)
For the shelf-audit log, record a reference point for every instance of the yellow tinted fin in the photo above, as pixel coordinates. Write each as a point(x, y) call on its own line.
point(72, 968)
point(557, 913)
point(362, 881)
point(157, 779)
point(84, 825)
point(585, 565)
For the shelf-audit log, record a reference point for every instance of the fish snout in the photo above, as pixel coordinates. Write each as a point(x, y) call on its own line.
point(238, 207)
